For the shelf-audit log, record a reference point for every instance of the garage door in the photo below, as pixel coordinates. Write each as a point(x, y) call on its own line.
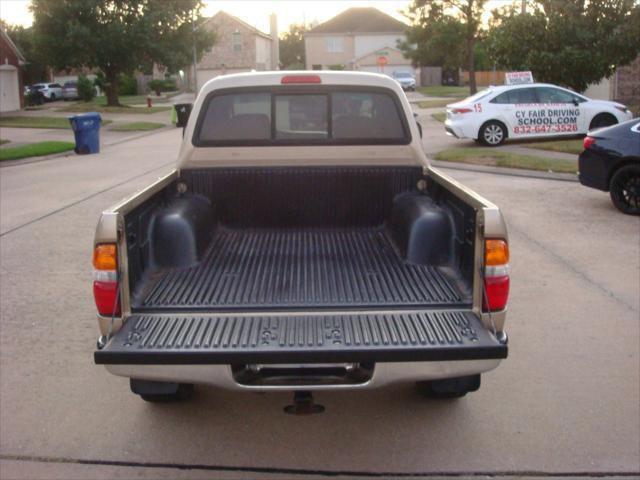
point(9, 89)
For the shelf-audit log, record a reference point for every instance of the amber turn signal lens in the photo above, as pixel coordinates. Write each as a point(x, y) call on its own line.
point(496, 253)
point(104, 257)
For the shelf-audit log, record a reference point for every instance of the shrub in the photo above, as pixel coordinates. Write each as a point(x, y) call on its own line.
point(156, 86)
point(127, 85)
point(86, 91)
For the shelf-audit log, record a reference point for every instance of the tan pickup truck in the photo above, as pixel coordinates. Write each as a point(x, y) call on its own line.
point(302, 243)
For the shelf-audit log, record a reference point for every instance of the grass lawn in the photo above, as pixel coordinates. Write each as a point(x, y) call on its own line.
point(436, 103)
point(35, 150)
point(444, 91)
point(40, 122)
point(3, 141)
point(34, 122)
point(565, 146)
point(496, 158)
point(136, 126)
point(439, 116)
point(131, 100)
point(92, 107)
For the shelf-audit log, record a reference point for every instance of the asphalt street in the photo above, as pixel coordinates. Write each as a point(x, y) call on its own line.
point(565, 402)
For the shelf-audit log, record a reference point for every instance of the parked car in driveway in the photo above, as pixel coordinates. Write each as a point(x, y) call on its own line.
point(611, 162)
point(70, 91)
point(530, 110)
point(33, 96)
point(406, 80)
point(50, 91)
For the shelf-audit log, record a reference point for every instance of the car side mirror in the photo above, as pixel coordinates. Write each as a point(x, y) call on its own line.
point(576, 102)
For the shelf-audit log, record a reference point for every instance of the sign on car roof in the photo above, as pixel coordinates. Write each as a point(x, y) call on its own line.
point(518, 78)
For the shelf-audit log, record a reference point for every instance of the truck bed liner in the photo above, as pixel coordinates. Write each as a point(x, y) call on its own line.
point(398, 336)
point(279, 268)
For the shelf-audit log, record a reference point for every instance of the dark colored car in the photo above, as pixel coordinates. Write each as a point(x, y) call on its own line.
point(611, 162)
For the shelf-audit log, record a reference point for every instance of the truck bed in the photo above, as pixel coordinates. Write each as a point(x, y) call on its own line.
point(247, 268)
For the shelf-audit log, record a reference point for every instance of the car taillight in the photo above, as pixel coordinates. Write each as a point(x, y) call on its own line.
point(496, 275)
point(461, 110)
point(588, 141)
point(105, 279)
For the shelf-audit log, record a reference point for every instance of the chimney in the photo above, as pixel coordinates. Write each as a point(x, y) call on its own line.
point(275, 42)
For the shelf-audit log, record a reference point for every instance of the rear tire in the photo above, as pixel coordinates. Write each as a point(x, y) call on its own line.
point(602, 120)
point(624, 189)
point(161, 392)
point(449, 387)
point(492, 133)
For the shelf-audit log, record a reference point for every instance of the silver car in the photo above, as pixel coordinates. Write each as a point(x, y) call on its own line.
point(70, 91)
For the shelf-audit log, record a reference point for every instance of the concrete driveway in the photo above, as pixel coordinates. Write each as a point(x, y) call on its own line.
point(566, 401)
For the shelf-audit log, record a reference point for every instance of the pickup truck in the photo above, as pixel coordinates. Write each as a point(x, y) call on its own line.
point(302, 243)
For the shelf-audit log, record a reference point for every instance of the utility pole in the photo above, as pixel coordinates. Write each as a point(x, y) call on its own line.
point(195, 71)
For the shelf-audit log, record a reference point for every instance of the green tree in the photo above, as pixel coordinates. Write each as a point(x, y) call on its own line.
point(434, 38)
point(119, 36)
point(35, 69)
point(445, 33)
point(292, 47)
point(567, 42)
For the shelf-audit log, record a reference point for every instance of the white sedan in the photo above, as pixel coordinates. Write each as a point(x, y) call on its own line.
point(531, 110)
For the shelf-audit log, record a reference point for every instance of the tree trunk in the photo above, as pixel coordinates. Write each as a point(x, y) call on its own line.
point(471, 42)
point(111, 89)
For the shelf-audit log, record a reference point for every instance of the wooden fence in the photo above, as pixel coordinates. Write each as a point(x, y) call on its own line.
point(485, 78)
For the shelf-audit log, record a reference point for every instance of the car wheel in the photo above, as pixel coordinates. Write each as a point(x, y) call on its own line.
point(161, 392)
point(53, 97)
point(624, 189)
point(492, 133)
point(602, 120)
point(449, 387)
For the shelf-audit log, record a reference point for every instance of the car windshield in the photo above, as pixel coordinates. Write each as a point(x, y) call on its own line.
point(477, 96)
point(402, 75)
point(37, 87)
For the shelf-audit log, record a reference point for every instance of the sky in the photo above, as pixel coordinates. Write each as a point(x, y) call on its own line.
point(256, 12)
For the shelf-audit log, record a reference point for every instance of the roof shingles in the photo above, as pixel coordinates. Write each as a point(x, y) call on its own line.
point(361, 20)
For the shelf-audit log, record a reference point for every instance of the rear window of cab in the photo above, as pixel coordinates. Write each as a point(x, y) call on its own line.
point(299, 117)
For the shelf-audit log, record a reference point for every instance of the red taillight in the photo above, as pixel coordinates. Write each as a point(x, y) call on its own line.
point(497, 293)
point(588, 141)
point(106, 297)
point(301, 79)
point(105, 279)
point(461, 110)
point(496, 275)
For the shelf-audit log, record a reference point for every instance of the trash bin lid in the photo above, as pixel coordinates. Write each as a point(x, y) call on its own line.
point(85, 121)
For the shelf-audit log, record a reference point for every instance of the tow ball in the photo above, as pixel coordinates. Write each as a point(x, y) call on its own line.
point(303, 404)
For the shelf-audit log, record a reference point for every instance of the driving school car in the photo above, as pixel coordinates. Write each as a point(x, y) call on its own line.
point(530, 110)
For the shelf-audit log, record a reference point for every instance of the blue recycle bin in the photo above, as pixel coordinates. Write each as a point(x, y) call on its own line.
point(86, 129)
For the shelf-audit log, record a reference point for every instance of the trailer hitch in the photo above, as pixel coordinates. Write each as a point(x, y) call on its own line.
point(303, 404)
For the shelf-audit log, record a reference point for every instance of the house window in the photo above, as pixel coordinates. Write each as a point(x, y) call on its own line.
point(237, 41)
point(334, 45)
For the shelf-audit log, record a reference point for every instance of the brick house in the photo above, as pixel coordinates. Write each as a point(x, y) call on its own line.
point(357, 39)
point(11, 86)
point(239, 47)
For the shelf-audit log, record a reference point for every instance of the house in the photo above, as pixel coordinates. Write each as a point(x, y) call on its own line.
point(239, 47)
point(362, 38)
point(11, 61)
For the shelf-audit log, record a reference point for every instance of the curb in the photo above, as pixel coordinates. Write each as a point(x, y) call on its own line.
point(26, 161)
point(511, 172)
